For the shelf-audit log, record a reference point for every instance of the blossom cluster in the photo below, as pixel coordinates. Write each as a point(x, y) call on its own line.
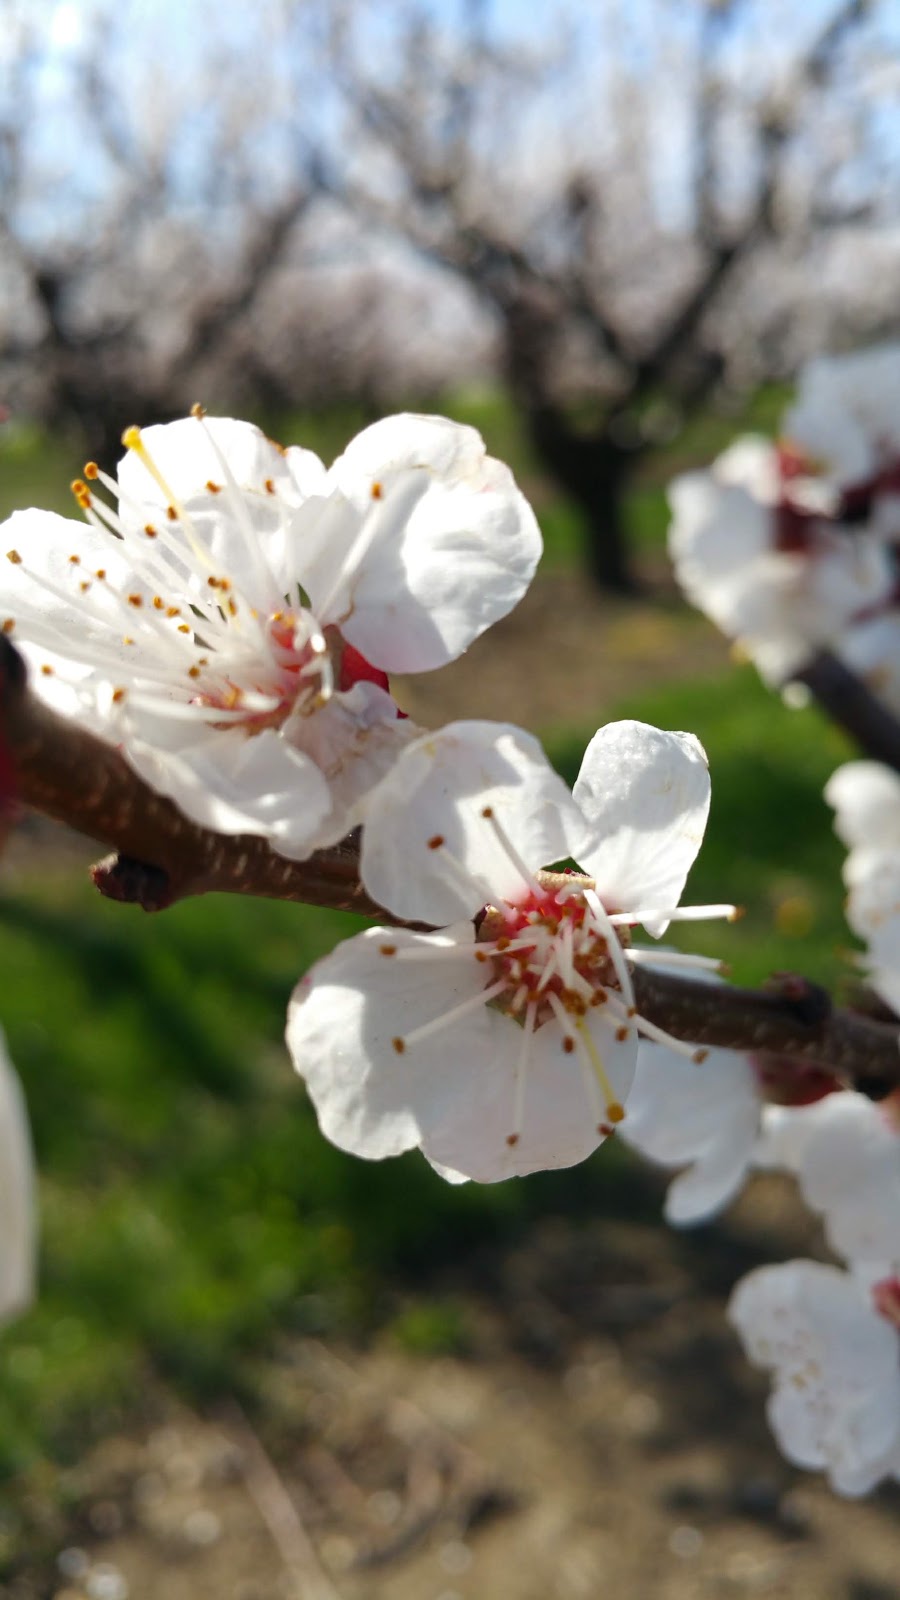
point(791, 547)
point(227, 614)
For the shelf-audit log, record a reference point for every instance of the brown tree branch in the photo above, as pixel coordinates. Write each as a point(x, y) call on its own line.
point(791, 1017)
point(852, 706)
point(162, 857)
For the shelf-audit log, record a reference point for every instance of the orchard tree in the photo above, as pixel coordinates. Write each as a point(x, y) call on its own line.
point(641, 195)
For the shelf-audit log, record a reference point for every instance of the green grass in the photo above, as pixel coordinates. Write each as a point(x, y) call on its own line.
point(769, 845)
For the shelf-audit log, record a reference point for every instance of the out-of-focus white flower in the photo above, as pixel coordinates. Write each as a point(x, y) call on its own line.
point(702, 1116)
point(752, 548)
point(835, 1365)
point(231, 622)
point(846, 417)
point(845, 1154)
point(17, 1207)
point(866, 800)
point(512, 1048)
point(865, 797)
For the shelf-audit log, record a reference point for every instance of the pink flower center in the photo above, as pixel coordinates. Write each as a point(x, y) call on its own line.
point(886, 1299)
point(548, 949)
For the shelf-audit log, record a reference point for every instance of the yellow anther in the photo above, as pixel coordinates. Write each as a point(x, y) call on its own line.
point(91, 469)
point(8, 625)
point(615, 1111)
point(14, 557)
point(198, 411)
point(132, 440)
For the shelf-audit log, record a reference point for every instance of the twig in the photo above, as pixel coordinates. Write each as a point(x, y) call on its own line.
point(278, 1511)
point(791, 1017)
point(162, 857)
point(851, 705)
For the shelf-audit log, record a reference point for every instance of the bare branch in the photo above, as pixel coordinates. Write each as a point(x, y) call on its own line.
point(163, 857)
point(851, 705)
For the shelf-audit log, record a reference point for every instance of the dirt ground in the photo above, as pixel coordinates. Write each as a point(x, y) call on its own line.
point(598, 1435)
point(562, 657)
point(598, 1432)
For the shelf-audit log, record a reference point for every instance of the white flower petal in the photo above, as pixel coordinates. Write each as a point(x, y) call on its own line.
point(428, 851)
point(850, 1172)
point(235, 784)
point(371, 1098)
point(559, 1126)
point(866, 799)
point(454, 543)
point(354, 740)
point(42, 582)
point(17, 1201)
point(836, 1401)
point(701, 1115)
point(645, 796)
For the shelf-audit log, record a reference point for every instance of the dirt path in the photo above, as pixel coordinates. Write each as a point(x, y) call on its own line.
point(601, 1436)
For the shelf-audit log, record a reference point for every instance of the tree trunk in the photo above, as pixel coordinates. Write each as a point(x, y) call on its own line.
point(593, 471)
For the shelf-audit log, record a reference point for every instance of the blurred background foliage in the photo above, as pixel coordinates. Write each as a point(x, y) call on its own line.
point(593, 234)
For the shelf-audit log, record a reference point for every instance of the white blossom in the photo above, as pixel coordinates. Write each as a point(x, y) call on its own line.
point(846, 418)
point(230, 622)
point(753, 548)
point(866, 799)
point(512, 1047)
point(834, 1358)
point(845, 1154)
point(17, 1207)
point(703, 1116)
